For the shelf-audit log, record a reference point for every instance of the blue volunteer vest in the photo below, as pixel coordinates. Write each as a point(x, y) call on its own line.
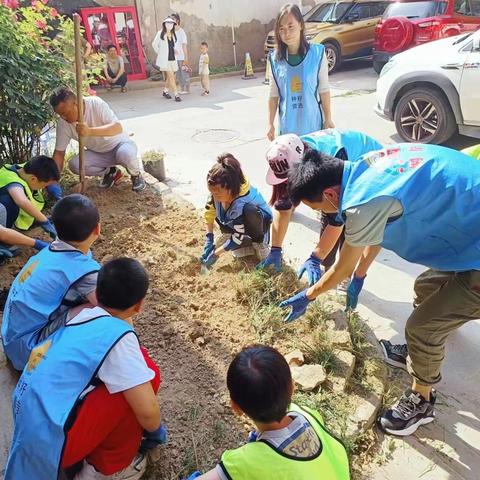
point(439, 189)
point(58, 371)
point(299, 107)
point(36, 293)
point(229, 216)
point(332, 140)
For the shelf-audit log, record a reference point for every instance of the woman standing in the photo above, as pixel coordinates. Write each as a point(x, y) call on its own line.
point(164, 46)
point(299, 90)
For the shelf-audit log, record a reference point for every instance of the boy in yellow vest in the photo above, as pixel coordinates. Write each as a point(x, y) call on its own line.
point(21, 201)
point(290, 442)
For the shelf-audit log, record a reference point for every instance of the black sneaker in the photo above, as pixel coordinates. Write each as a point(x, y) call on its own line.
point(409, 413)
point(111, 178)
point(395, 355)
point(177, 98)
point(138, 183)
point(166, 95)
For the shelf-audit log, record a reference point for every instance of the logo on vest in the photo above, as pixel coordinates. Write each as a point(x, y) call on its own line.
point(388, 161)
point(37, 355)
point(27, 273)
point(296, 85)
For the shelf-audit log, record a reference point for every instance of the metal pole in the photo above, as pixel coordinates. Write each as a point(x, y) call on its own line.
point(79, 82)
point(233, 38)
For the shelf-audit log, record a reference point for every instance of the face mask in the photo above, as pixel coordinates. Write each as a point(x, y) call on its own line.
point(169, 26)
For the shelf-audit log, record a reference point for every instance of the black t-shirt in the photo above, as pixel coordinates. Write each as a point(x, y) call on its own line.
point(171, 49)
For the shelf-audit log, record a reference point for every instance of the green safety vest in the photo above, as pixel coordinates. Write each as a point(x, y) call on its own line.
point(8, 175)
point(260, 460)
point(472, 151)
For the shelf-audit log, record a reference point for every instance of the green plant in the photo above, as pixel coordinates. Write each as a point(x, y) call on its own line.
point(36, 57)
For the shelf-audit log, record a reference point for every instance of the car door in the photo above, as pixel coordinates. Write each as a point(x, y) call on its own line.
point(469, 84)
point(358, 29)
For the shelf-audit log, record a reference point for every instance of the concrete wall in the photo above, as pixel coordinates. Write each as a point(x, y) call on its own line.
point(211, 21)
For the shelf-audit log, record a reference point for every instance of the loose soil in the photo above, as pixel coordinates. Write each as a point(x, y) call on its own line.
point(192, 324)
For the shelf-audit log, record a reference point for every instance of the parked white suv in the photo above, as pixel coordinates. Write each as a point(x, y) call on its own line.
point(433, 89)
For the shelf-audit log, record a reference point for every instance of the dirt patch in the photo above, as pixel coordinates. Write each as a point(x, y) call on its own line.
point(192, 325)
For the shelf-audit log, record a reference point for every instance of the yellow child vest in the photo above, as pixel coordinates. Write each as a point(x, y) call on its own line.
point(8, 175)
point(472, 151)
point(261, 461)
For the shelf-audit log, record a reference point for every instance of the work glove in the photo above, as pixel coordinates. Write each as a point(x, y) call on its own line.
point(5, 252)
point(353, 291)
point(312, 268)
point(49, 228)
point(210, 260)
point(208, 247)
point(273, 259)
point(40, 244)
point(152, 440)
point(299, 304)
point(55, 191)
point(194, 475)
point(252, 436)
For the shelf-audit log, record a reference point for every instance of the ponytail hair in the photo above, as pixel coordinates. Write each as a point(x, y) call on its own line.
point(227, 172)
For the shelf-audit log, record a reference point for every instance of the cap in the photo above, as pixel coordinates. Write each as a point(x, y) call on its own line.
point(284, 151)
point(169, 20)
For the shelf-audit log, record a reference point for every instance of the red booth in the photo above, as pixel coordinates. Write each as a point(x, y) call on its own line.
point(116, 26)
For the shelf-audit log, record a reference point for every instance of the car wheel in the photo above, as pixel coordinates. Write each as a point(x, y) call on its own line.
point(423, 115)
point(377, 66)
point(332, 53)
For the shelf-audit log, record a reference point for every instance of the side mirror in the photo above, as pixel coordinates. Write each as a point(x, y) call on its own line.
point(352, 17)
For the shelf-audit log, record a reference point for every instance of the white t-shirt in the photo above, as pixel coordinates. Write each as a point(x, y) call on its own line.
point(97, 113)
point(204, 64)
point(181, 40)
point(124, 367)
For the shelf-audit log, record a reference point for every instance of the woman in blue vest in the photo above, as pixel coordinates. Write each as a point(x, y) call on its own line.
point(299, 89)
point(240, 211)
point(423, 203)
point(284, 152)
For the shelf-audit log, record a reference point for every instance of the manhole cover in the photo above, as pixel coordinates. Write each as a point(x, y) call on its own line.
point(215, 135)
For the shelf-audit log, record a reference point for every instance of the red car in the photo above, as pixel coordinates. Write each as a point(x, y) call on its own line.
point(406, 24)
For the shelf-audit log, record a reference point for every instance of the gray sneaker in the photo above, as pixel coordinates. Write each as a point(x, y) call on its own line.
point(138, 183)
point(261, 249)
point(243, 252)
point(395, 354)
point(134, 471)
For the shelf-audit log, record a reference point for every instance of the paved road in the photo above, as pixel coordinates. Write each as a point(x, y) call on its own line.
point(233, 119)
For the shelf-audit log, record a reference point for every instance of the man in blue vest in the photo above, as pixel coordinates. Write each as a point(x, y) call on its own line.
point(289, 149)
point(88, 392)
point(423, 203)
point(53, 281)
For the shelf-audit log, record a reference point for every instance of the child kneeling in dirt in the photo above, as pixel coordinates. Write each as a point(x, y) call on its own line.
point(21, 202)
point(89, 390)
point(58, 278)
point(290, 442)
point(240, 211)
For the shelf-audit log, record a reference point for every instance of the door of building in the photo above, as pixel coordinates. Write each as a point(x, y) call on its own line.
point(116, 26)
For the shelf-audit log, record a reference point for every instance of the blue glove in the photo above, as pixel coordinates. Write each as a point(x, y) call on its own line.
point(252, 436)
point(312, 268)
point(40, 244)
point(353, 290)
point(208, 248)
point(153, 439)
point(210, 260)
point(299, 304)
point(55, 191)
point(194, 475)
point(5, 252)
point(49, 228)
point(274, 259)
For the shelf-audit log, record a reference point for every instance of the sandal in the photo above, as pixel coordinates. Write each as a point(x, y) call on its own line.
point(166, 94)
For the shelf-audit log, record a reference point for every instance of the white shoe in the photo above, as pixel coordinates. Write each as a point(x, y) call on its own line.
point(342, 287)
point(184, 92)
point(243, 252)
point(262, 250)
point(134, 471)
point(88, 472)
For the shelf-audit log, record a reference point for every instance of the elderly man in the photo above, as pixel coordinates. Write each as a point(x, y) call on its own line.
point(107, 144)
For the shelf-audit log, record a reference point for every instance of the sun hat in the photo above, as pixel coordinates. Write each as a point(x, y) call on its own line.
point(169, 20)
point(284, 151)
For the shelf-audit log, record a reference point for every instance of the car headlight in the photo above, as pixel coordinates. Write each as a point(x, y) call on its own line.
point(388, 66)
